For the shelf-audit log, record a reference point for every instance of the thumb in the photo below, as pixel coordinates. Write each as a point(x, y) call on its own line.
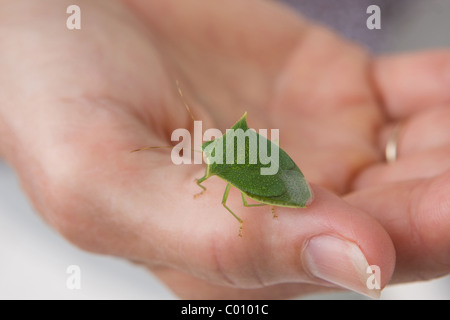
point(330, 243)
point(342, 246)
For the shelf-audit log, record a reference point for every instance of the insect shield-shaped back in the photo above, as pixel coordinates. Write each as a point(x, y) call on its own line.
point(256, 166)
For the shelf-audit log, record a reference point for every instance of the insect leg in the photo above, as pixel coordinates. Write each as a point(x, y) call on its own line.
point(224, 201)
point(251, 205)
point(199, 181)
point(273, 212)
point(272, 208)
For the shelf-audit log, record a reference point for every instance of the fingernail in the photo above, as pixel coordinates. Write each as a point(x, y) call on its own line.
point(339, 262)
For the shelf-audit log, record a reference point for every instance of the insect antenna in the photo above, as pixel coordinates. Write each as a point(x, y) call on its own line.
point(159, 147)
point(184, 100)
point(180, 92)
point(147, 148)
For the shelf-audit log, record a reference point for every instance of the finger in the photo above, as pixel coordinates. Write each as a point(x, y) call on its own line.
point(427, 164)
point(422, 147)
point(325, 92)
point(416, 214)
point(429, 129)
point(413, 82)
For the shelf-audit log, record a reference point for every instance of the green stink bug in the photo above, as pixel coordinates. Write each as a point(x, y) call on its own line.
point(232, 157)
point(287, 187)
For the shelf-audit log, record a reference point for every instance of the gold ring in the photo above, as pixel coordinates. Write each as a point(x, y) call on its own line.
point(391, 151)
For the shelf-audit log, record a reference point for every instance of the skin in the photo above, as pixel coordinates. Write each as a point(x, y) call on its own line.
point(74, 103)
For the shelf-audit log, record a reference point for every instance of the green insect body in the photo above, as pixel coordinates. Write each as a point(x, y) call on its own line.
point(285, 188)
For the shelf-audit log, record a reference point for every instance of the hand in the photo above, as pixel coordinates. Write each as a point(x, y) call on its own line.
point(410, 197)
point(86, 98)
